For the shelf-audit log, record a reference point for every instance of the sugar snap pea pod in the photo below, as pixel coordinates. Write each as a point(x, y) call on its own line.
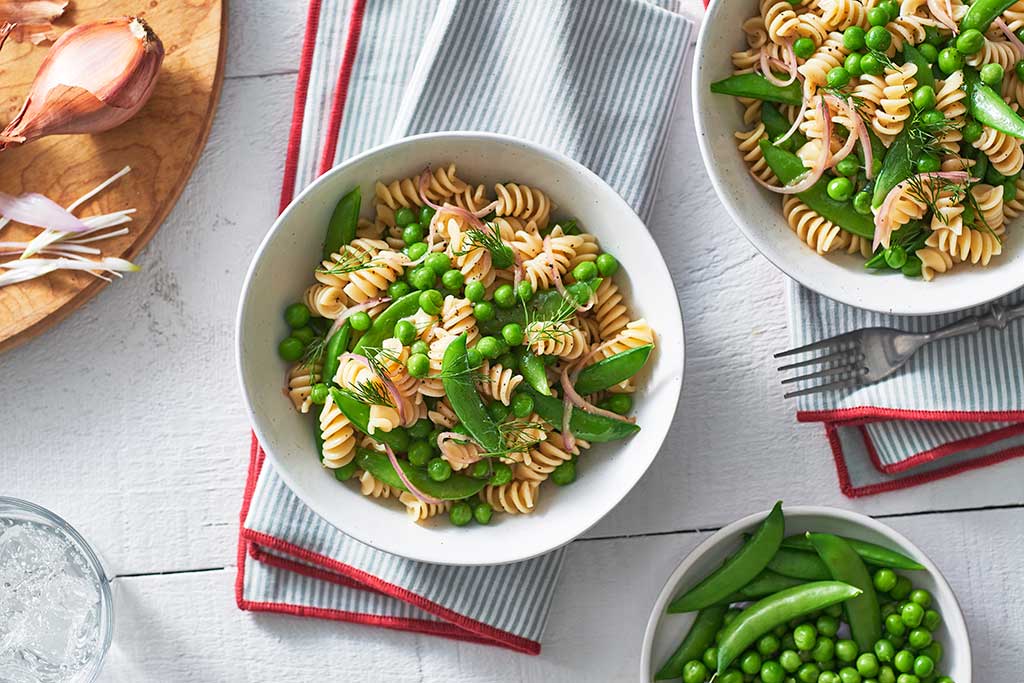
point(358, 413)
point(699, 638)
point(872, 554)
point(798, 564)
point(594, 428)
point(531, 367)
point(612, 370)
point(342, 228)
point(897, 166)
point(787, 167)
point(739, 569)
point(924, 75)
point(778, 125)
point(988, 108)
point(765, 583)
point(384, 324)
point(775, 610)
point(460, 387)
point(336, 345)
point(758, 87)
point(455, 487)
point(982, 13)
point(862, 612)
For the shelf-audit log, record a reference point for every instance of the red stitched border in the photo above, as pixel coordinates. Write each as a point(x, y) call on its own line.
point(355, 29)
point(940, 451)
point(869, 413)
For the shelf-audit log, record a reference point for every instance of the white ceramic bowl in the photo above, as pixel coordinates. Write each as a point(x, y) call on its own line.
point(665, 631)
point(758, 212)
point(283, 266)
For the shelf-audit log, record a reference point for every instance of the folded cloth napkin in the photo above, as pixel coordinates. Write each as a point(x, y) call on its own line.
point(958, 405)
point(597, 81)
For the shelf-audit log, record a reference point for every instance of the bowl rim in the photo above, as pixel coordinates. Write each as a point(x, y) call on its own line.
point(834, 288)
point(552, 542)
point(670, 585)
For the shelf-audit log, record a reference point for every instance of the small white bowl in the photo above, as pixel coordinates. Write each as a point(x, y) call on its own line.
point(665, 631)
point(758, 212)
point(283, 267)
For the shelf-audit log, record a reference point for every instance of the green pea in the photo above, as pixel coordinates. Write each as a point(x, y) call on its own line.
point(827, 625)
point(482, 512)
point(892, 7)
point(400, 440)
point(878, 39)
point(731, 676)
point(924, 97)
point(438, 262)
point(932, 119)
point(452, 280)
point(420, 453)
point(771, 672)
point(886, 675)
point(421, 429)
point(867, 665)
point(461, 513)
point(404, 216)
point(474, 358)
point(877, 16)
point(840, 189)
point(480, 469)
point(512, 333)
point(416, 250)
point(901, 589)
point(503, 474)
point(291, 349)
point(929, 52)
point(483, 311)
point(488, 347)
point(805, 636)
point(972, 131)
point(426, 215)
point(790, 660)
point(903, 661)
point(318, 393)
point(750, 663)
point(405, 332)
point(838, 77)
point(525, 290)
point(430, 301)
point(808, 673)
point(895, 256)
point(921, 596)
point(360, 321)
point(919, 638)
point(767, 645)
point(894, 625)
point(912, 614)
point(296, 315)
point(607, 265)
point(872, 65)
point(846, 651)
point(992, 74)
point(396, 290)
point(475, 291)
point(970, 42)
point(931, 620)
point(564, 474)
point(620, 404)
point(923, 666)
point(505, 297)
point(498, 411)
point(853, 38)
point(950, 61)
point(304, 335)
point(522, 405)
point(419, 346)
point(1019, 68)
point(412, 233)
point(586, 270)
point(849, 675)
point(694, 672)
point(418, 365)
point(803, 47)
point(824, 650)
point(884, 650)
point(862, 203)
point(439, 470)
point(422, 278)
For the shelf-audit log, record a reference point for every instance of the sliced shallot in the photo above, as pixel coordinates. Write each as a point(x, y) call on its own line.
point(820, 164)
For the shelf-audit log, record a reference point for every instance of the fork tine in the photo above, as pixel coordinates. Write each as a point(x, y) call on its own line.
point(822, 344)
point(822, 387)
point(846, 353)
point(824, 373)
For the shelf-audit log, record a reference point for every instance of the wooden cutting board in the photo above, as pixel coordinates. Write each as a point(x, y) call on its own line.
point(161, 144)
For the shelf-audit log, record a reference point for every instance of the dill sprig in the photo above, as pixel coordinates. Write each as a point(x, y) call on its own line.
point(489, 238)
point(518, 436)
point(313, 357)
point(928, 190)
point(371, 392)
point(979, 217)
point(549, 328)
point(349, 261)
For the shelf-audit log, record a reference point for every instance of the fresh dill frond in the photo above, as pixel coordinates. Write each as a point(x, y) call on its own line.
point(489, 238)
point(350, 260)
point(928, 190)
point(313, 357)
point(518, 436)
point(370, 392)
point(979, 217)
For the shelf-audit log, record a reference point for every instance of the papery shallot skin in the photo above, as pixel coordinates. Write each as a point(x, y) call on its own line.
point(94, 78)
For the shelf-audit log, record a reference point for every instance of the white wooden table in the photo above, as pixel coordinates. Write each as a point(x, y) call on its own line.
point(127, 420)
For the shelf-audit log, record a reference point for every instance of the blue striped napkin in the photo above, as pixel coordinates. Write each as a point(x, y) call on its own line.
point(958, 405)
point(596, 80)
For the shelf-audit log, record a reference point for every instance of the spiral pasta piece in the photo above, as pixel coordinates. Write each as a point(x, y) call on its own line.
point(499, 382)
point(523, 202)
point(839, 15)
point(472, 198)
point(974, 246)
point(457, 319)
point(587, 250)
point(372, 281)
point(472, 260)
point(374, 488)
point(1014, 16)
point(544, 457)
point(419, 511)
point(989, 200)
point(780, 19)
point(515, 497)
point(909, 29)
point(458, 454)
point(547, 338)
point(933, 262)
point(1001, 52)
point(443, 184)
point(948, 213)
point(749, 146)
point(949, 99)
point(894, 109)
point(338, 435)
point(1015, 206)
point(609, 310)
point(325, 301)
point(818, 233)
point(1003, 151)
point(755, 31)
point(563, 250)
point(869, 90)
point(301, 379)
point(335, 271)
point(830, 55)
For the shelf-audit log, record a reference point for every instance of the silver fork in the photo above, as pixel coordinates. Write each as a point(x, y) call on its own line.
point(863, 357)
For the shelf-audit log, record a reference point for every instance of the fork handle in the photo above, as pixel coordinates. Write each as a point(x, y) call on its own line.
point(997, 318)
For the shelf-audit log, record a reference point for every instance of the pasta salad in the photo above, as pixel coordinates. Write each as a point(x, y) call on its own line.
point(462, 347)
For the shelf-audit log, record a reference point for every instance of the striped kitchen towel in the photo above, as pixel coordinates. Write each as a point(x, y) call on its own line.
point(596, 80)
point(958, 405)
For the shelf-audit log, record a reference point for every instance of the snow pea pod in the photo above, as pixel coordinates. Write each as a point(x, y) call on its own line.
point(342, 227)
point(897, 166)
point(778, 125)
point(787, 167)
point(358, 413)
point(384, 324)
point(775, 610)
point(460, 387)
point(455, 487)
point(872, 554)
point(758, 87)
point(594, 428)
point(531, 367)
point(862, 612)
point(739, 569)
point(988, 108)
point(612, 370)
point(799, 565)
point(336, 345)
point(982, 13)
point(699, 638)
point(765, 583)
